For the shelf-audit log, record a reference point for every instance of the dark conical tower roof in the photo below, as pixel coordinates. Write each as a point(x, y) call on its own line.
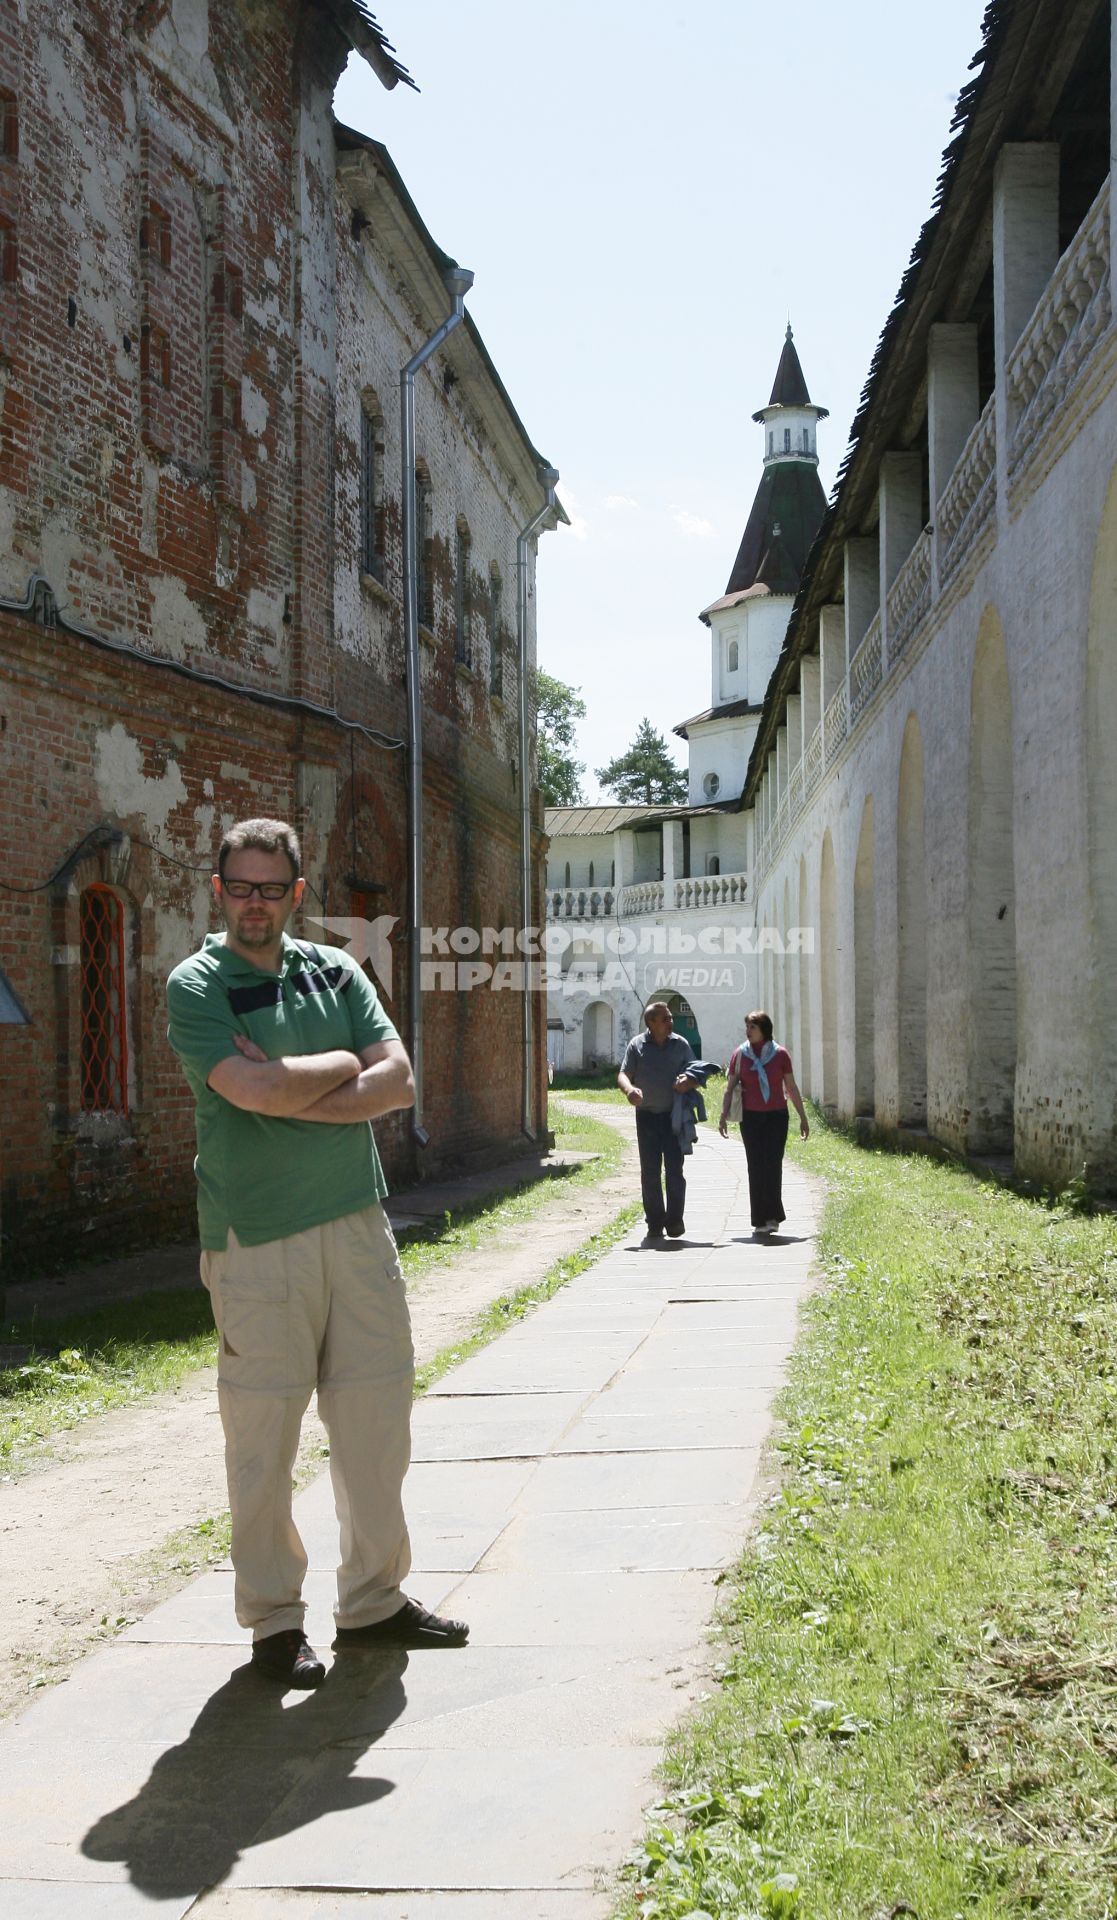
point(785, 517)
point(789, 388)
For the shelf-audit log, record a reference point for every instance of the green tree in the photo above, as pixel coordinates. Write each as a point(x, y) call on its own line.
point(646, 773)
point(559, 709)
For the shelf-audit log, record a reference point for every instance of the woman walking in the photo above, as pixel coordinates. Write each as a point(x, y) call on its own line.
point(763, 1072)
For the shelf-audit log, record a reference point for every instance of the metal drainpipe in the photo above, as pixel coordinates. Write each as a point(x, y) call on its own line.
point(458, 282)
point(549, 477)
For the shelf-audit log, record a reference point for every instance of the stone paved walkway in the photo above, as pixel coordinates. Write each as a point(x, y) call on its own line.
point(576, 1487)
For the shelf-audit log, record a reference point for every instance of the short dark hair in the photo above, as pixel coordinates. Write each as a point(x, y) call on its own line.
point(656, 1006)
point(762, 1020)
point(267, 836)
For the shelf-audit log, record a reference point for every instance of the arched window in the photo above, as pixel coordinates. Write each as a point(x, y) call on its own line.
point(733, 657)
point(771, 442)
point(566, 881)
point(104, 1022)
point(372, 488)
point(713, 864)
point(424, 544)
point(463, 608)
point(806, 439)
point(591, 873)
point(787, 439)
point(496, 636)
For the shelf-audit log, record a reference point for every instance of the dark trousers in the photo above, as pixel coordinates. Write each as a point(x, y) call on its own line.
point(659, 1148)
point(765, 1137)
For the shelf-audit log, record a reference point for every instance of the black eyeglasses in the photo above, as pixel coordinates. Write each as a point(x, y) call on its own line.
point(267, 889)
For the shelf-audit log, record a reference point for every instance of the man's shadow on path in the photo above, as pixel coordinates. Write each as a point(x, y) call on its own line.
point(250, 1764)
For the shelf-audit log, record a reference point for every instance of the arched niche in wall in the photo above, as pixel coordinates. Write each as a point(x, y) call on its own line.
point(828, 917)
point(911, 910)
point(991, 1066)
point(864, 968)
point(1101, 764)
point(803, 1064)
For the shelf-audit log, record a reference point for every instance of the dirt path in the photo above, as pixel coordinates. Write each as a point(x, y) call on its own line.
point(87, 1542)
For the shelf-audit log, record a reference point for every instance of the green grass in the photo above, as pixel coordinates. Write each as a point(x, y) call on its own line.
point(917, 1710)
point(95, 1362)
point(590, 1086)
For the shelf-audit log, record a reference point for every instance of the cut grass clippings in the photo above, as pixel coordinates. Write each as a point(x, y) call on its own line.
point(96, 1362)
point(917, 1713)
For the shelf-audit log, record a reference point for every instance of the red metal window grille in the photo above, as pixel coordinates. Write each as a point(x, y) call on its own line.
point(104, 1037)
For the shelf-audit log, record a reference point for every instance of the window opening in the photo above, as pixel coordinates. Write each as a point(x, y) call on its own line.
point(463, 650)
point(372, 506)
point(104, 1037)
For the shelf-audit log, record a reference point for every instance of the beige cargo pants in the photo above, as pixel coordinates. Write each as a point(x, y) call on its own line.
point(324, 1308)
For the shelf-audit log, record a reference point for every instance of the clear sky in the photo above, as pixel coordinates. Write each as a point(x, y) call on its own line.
point(646, 193)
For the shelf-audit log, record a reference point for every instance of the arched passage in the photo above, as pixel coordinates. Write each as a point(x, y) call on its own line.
point(991, 1069)
point(864, 968)
point(803, 1060)
point(828, 915)
point(1101, 761)
point(911, 905)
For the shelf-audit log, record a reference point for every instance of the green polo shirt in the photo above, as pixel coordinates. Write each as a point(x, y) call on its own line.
point(266, 1177)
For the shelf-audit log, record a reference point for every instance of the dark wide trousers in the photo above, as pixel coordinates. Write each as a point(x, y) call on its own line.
point(765, 1137)
point(660, 1154)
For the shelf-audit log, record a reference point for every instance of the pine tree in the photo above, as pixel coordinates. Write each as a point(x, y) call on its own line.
point(646, 773)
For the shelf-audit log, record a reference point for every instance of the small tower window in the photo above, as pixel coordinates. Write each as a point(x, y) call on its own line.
point(771, 442)
point(787, 439)
point(713, 864)
point(566, 870)
point(733, 659)
point(711, 785)
point(806, 439)
point(591, 873)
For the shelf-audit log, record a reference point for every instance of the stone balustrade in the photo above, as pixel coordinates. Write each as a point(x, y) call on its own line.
point(579, 903)
point(711, 890)
point(646, 896)
point(834, 722)
point(812, 762)
point(1071, 317)
point(970, 494)
point(909, 597)
point(864, 672)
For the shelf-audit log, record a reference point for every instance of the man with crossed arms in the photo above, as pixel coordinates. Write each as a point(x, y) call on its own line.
point(290, 1056)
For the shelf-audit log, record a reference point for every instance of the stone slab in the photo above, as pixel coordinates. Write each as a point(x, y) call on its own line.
point(158, 1696)
point(552, 1361)
point(655, 1432)
point(569, 1482)
point(500, 1698)
point(626, 1612)
point(62, 1900)
point(636, 1540)
point(510, 1426)
point(311, 1903)
point(167, 1821)
point(202, 1614)
point(531, 1819)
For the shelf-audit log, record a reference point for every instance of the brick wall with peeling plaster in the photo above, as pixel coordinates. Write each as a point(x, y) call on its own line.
point(211, 521)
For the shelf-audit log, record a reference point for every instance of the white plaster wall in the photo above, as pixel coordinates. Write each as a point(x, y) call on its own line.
point(721, 747)
point(1038, 578)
